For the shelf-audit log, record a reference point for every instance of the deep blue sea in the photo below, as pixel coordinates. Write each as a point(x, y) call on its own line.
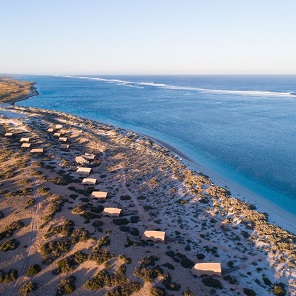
point(242, 127)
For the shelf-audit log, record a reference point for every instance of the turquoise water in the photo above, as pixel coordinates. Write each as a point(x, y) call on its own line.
point(242, 127)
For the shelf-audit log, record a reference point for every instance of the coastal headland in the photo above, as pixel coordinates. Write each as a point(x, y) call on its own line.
point(12, 90)
point(55, 237)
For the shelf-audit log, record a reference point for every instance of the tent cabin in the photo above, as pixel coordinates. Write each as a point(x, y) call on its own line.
point(27, 140)
point(65, 146)
point(50, 130)
point(111, 212)
point(157, 236)
point(89, 181)
point(88, 156)
point(37, 150)
point(83, 171)
point(57, 135)
point(63, 139)
point(81, 160)
point(99, 194)
point(58, 126)
point(207, 268)
point(26, 145)
point(8, 135)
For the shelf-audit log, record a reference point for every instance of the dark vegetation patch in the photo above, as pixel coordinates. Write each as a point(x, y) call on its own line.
point(54, 249)
point(10, 276)
point(28, 288)
point(66, 286)
point(9, 245)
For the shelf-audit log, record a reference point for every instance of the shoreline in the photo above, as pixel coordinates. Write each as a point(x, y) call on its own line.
point(145, 179)
point(277, 215)
point(34, 92)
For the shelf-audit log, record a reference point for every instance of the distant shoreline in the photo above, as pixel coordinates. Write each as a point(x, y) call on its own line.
point(34, 92)
point(13, 90)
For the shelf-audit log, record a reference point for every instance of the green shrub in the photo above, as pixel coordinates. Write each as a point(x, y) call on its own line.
point(28, 288)
point(9, 245)
point(167, 282)
point(33, 269)
point(30, 202)
point(122, 221)
point(129, 243)
point(11, 276)
point(104, 241)
point(249, 292)
point(101, 255)
point(134, 231)
point(125, 228)
point(54, 249)
point(200, 256)
point(15, 225)
point(279, 289)
point(169, 266)
point(266, 280)
point(232, 280)
point(80, 235)
point(149, 261)
point(125, 289)
point(125, 197)
point(134, 219)
point(1, 215)
point(146, 274)
point(98, 281)
point(65, 229)
point(157, 291)
point(187, 293)
point(126, 260)
point(97, 224)
point(66, 286)
point(211, 282)
point(186, 263)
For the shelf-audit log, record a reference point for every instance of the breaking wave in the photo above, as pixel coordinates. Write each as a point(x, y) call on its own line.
point(134, 84)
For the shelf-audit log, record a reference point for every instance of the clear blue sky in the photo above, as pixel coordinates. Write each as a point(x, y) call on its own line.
point(148, 36)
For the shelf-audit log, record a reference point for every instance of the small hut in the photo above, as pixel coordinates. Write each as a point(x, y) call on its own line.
point(81, 160)
point(63, 139)
point(89, 181)
point(26, 140)
point(99, 194)
point(111, 212)
point(57, 135)
point(8, 135)
point(37, 150)
point(83, 171)
point(26, 145)
point(207, 268)
point(157, 236)
point(50, 130)
point(58, 126)
point(65, 146)
point(88, 156)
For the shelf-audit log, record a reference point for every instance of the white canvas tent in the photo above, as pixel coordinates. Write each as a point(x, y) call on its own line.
point(154, 235)
point(99, 194)
point(83, 171)
point(89, 181)
point(112, 212)
point(211, 268)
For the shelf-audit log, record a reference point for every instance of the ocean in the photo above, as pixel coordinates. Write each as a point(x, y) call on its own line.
point(241, 127)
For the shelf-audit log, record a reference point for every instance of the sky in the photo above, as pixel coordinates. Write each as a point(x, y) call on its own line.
point(148, 37)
